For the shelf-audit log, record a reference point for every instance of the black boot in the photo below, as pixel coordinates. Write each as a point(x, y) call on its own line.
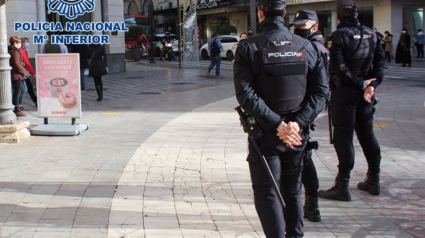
point(371, 184)
point(311, 209)
point(338, 192)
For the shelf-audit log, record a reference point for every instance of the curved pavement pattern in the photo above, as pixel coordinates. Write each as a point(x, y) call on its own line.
point(173, 165)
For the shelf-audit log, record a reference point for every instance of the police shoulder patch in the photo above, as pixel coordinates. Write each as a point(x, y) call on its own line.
point(329, 44)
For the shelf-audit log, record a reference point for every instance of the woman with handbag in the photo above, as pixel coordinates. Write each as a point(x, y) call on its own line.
point(17, 73)
point(29, 72)
point(97, 68)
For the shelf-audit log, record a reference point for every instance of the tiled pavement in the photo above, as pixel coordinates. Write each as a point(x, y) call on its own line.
point(173, 165)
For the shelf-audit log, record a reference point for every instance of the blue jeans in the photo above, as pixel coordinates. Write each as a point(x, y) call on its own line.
point(215, 61)
point(23, 92)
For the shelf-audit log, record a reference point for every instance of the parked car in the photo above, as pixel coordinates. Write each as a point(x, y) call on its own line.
point(229, 43)
point(158, 43)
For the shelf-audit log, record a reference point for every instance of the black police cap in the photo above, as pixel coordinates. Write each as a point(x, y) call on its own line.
point(302, 16)
point(346, 8)
point(268, 3)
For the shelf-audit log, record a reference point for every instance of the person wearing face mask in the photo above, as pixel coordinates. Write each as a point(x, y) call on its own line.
point(388, 45)
point(306, 24)
point(357, 65)
point(17, 73)
point(29, 72)
point(279, 81)
point(402, 53)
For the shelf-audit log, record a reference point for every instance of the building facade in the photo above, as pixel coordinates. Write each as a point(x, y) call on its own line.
point(385, 15)
point(37, 11)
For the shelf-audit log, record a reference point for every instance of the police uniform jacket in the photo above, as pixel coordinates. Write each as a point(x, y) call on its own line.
point(317, 39)
point(356, 54)
point(249, 76)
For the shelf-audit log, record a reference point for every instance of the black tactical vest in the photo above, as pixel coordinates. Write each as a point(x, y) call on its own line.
point(359, 50)
point(282, 81)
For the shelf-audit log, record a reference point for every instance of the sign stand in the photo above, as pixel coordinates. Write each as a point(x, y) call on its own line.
point(59, 129)
point(59, 94)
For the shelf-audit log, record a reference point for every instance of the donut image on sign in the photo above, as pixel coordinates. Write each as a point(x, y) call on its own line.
point(68, 99)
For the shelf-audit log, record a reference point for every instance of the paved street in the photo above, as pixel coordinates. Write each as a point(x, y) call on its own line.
point(164, 157)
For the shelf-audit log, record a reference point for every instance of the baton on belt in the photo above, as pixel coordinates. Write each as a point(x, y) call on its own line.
point(250, 126)
point(328, 105)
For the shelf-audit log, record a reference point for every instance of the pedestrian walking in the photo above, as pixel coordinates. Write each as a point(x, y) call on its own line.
point(420, 41)
point(215, 47)
point(82, 50)
point(30, 72)
point(97, 68)
point(357, 64)
point(271, 72)
point(50, 48)
point(388, 42)
point(402, 54)
point(306, 25)
point(17, 73)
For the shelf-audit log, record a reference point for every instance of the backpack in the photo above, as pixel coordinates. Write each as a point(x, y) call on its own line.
point(215, 50)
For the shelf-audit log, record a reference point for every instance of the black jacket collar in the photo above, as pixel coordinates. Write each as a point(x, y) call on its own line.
point(316, 36)
point(273, 23)
point(348, 23)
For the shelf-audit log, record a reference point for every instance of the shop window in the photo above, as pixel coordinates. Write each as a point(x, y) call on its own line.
point(218, 22)
point(133, 9)
point(417, 18)
point(325, 23)
point(55, 17)
point(366, 17)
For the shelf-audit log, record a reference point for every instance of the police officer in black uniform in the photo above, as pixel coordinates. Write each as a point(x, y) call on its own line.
point(306, 25)
point(280, 82)
point(357, 66)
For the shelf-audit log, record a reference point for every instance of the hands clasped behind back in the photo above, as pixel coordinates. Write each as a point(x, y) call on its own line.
point(289, 134)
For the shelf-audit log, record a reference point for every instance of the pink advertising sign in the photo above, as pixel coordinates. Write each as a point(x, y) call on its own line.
point(58, 85)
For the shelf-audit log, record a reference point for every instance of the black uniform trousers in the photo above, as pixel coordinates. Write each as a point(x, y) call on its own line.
point(285, 165)
point(351, 112)
point(309, 175)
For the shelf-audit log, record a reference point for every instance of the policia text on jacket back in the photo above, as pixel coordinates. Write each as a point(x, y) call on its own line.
point(357, 65)
point(280, 82)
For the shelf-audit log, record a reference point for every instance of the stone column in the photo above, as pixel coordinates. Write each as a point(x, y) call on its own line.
point(11, 131)
point(6, 114)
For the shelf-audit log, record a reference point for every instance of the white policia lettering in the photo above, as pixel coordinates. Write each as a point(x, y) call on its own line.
point(356, 37)
point(284, 54)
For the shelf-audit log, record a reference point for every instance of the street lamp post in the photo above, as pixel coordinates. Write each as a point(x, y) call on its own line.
point(253, 15)
point(151, 21)
point(6, 114)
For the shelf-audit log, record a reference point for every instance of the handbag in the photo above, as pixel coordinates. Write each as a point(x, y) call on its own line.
point(91, 58)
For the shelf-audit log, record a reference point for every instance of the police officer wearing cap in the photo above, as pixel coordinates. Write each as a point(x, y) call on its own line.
point(306, 25)
point(357, 66)
point(280, 82)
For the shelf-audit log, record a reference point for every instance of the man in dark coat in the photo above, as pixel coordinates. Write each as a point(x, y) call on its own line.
point(402, 54)
point(83, 51)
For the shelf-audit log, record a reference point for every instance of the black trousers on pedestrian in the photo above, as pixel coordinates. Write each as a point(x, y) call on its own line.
point(31, 92)
point(98, 84)
point(388, 56)
point(350, 112)
point(420, 49)
point(16, 93)
point(285, 165)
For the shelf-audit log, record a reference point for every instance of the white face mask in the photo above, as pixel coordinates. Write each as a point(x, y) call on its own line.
point(404, 32)
point(18, 45)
